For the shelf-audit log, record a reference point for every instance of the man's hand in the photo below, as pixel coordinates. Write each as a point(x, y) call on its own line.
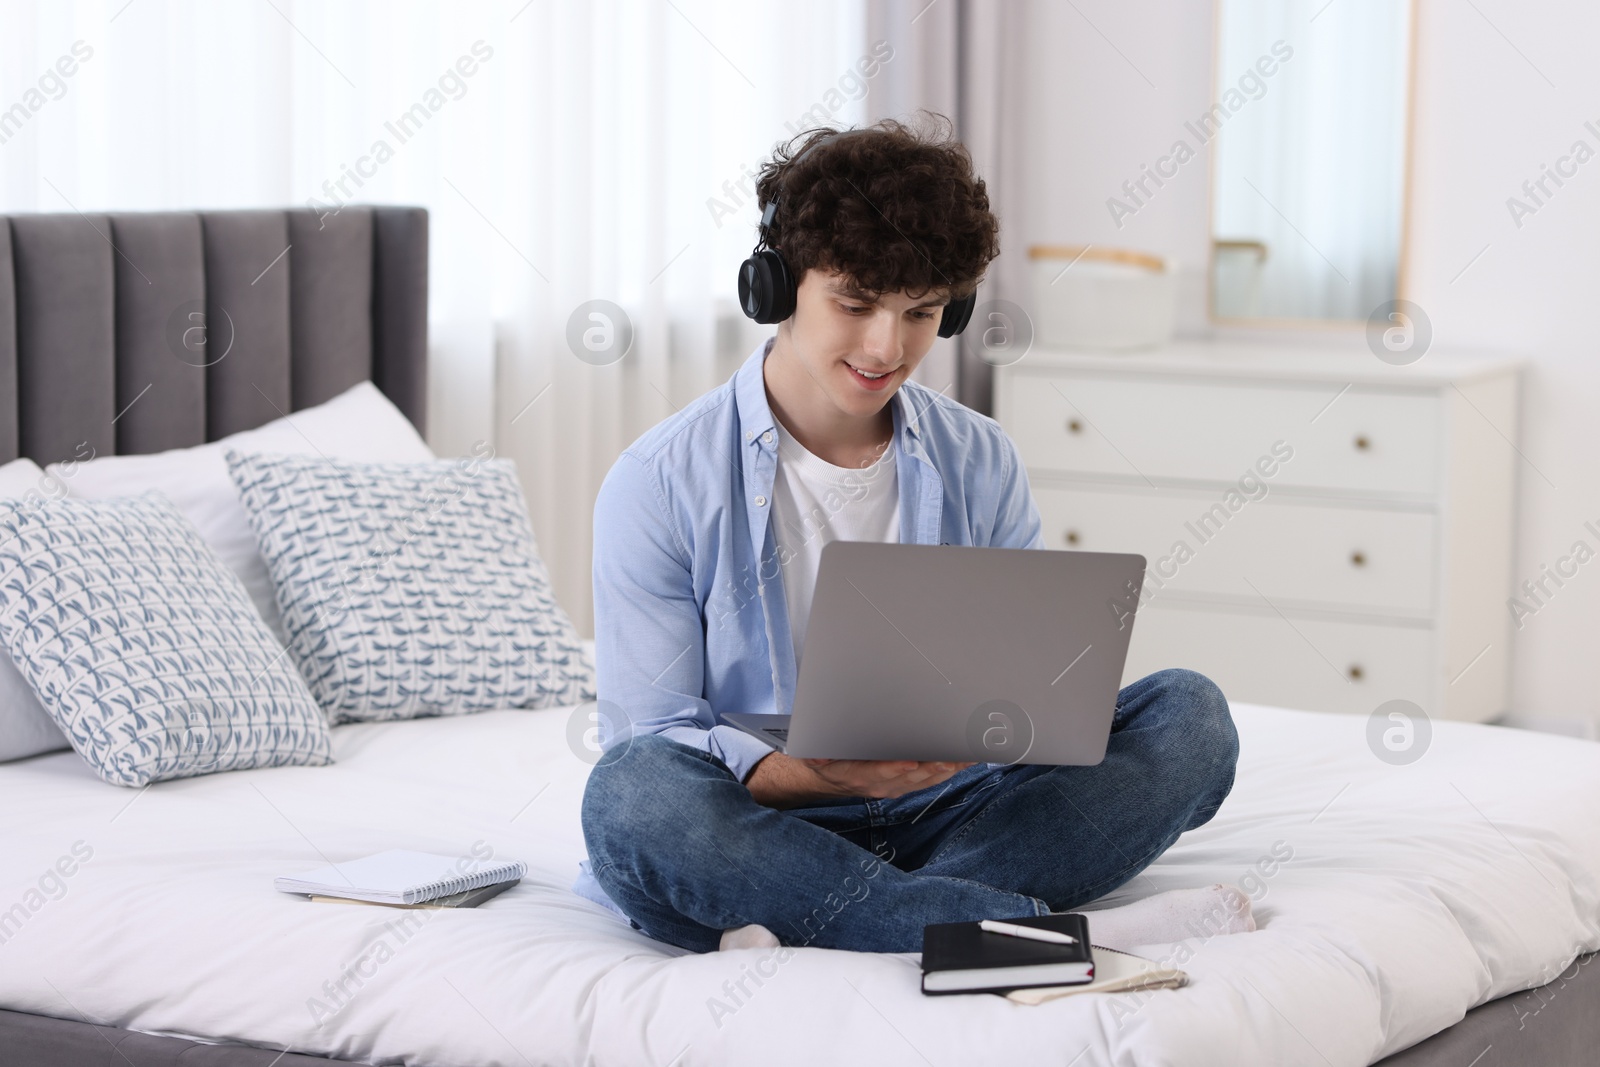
point(780, 781)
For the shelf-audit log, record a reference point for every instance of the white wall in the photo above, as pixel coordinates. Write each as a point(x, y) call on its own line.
point(1501, 89)
point(1487, 120)
point(1111, 86)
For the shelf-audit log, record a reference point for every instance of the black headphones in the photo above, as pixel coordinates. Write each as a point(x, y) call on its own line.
point(767, 286)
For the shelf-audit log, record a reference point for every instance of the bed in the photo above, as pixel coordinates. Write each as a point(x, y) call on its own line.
point(1412, 894)
point(1441, 912)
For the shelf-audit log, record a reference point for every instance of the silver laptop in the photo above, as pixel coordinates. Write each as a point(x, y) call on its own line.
point(937, 652)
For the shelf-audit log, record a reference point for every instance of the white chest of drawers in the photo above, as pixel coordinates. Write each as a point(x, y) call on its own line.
point(1322, 530)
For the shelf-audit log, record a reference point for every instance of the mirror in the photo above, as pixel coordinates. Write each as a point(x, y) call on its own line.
point(1308, 133)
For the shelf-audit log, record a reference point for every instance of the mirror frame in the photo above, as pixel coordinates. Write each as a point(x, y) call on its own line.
point(1408, 169)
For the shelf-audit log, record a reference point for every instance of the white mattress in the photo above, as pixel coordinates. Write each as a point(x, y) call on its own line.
point(1413, 894)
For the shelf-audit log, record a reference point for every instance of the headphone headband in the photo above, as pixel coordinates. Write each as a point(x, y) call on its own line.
point(771, 210)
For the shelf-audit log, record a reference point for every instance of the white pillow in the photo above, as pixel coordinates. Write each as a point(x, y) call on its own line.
point(359, 424)
point(143, 646)
point(25, 727)
point(411, 589)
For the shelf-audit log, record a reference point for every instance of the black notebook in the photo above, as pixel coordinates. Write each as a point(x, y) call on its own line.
point(961, 958)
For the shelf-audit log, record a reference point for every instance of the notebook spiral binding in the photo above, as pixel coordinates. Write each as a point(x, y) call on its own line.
point(503, 872)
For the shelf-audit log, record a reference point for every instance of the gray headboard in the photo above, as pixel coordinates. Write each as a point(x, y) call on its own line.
point(140, 332)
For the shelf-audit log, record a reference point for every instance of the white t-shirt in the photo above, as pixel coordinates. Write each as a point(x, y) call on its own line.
point(814, 502)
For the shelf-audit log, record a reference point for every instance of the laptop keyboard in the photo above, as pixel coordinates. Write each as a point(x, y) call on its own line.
point(780, 732)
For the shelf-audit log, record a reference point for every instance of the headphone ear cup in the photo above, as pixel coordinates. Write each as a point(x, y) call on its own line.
point(766, 288)
point(956, 315)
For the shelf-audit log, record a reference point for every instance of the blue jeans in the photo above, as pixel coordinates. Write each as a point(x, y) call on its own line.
point(683, 848)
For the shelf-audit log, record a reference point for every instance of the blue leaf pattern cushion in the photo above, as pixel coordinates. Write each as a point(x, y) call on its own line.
point(144, 647)
point(411, 589)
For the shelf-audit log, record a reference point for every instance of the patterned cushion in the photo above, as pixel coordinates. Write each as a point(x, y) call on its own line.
point(144, 647)
point(411, 588)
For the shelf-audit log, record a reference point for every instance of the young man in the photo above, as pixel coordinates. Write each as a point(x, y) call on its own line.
point(707, 536)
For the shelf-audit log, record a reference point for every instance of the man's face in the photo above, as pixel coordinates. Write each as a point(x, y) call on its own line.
point(859, 347)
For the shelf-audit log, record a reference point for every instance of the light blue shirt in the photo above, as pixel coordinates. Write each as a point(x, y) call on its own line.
point(690, 616)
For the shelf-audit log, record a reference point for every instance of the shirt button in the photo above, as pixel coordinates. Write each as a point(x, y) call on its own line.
point(761, 501)
point(749, 435)
point(767, 437)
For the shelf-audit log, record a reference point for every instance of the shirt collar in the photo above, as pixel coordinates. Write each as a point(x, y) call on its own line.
point(755, 414)
point(750, 393)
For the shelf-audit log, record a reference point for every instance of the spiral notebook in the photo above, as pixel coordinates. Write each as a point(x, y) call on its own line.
point(399, 876)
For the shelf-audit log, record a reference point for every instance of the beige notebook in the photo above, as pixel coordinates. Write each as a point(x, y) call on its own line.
point(1114, 972)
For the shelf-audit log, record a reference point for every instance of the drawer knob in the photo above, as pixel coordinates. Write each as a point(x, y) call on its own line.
point(1362, 443)
point(1071, 537)
point(1074, 426)
point(1358, 558)
point(1355, 672)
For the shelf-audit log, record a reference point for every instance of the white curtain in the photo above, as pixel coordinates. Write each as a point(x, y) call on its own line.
point(1313, 164)
point(595, 151)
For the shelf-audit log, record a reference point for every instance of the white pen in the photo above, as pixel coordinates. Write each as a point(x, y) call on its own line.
point(1029, 932)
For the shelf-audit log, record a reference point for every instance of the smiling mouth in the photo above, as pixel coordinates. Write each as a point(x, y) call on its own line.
point(869, 376)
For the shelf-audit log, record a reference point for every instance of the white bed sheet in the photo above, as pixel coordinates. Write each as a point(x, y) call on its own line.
point(1413, 894)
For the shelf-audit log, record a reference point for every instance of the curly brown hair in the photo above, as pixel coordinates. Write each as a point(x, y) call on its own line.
point(893, 208)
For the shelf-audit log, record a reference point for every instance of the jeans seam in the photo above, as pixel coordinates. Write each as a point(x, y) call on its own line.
point(960, 834)
point(601, 872)
point(980, 885)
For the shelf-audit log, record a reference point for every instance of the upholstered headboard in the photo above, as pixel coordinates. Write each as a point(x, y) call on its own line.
point(141, 332)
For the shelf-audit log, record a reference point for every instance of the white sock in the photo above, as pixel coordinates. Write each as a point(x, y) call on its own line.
point(752, 936)
point(1173, 916)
